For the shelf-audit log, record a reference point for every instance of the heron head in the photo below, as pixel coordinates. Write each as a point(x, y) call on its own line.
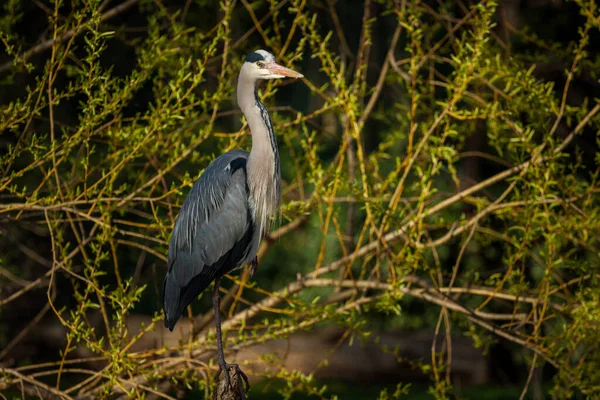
point(261, 64)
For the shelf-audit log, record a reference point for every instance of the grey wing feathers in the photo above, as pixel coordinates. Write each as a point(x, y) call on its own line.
point(212, 222)
point(204, 201)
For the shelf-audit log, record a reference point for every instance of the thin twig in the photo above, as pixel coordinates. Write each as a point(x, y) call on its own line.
point(45, 45)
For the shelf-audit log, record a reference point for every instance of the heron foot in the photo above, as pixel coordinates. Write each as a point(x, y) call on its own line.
point(237, 374)
point(253, 266)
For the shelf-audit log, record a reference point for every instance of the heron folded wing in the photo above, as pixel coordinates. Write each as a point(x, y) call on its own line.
point(211, 235)
point(212, 219)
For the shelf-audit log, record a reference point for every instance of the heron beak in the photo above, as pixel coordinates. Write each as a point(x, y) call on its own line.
point(282, 71)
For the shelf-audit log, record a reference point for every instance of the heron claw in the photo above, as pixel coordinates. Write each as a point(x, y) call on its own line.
point(237, 372)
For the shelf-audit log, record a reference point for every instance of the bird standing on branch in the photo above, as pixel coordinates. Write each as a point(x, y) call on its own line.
point(225, 215)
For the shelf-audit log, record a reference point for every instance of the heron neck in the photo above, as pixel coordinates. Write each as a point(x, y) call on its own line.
point(264, 176)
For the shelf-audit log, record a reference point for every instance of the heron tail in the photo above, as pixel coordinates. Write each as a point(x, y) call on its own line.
point(171, 294)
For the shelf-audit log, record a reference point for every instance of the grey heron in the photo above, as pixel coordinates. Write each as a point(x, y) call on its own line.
point(227, 211)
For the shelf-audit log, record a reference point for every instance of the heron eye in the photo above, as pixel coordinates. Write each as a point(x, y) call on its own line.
point(260, 64)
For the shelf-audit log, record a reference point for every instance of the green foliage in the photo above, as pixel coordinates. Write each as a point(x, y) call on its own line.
point(427, 164)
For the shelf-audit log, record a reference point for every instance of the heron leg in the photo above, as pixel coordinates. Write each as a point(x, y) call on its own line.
point(253, 266)
point(223, 366)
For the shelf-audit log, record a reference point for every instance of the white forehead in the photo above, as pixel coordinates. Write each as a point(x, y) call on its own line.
point(266, 55)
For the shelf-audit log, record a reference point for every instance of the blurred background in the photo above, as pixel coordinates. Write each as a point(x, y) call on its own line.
point(439, 227)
